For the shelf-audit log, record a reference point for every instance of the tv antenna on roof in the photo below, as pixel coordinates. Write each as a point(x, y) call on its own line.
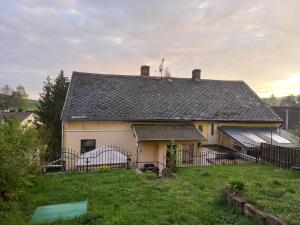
point(161, 66)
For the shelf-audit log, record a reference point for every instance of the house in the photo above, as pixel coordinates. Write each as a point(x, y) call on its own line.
point(290, 116)
point(144, 113)
point(26, 118)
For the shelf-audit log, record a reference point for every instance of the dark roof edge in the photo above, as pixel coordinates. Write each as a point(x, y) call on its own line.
point(200, 139)
point(67, 95)
point(174, 120)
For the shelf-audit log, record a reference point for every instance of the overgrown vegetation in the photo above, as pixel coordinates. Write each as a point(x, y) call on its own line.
point(150, 175)
point(236, 184)
point(104, 168)
point(122, 197)
point(18, 146)
point(172, 157)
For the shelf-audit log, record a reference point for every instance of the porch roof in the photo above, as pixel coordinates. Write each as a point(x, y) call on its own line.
point(167, 132)
point(254, 136)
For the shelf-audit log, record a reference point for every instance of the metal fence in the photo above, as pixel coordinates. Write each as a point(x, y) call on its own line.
point(114, 157)
point(211, 155)
point(101, 159)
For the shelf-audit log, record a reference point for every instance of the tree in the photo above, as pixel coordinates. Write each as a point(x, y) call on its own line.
point(272, 101)
point(6, 92)
point(13, 99)
point(17, 101)
point(49, 110)
point(289, 100)
point(21, 91)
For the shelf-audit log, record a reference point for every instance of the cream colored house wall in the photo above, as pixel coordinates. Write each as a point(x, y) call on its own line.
point(225, 140)
point(105, 133)
point(121, 134)
point(148, 151)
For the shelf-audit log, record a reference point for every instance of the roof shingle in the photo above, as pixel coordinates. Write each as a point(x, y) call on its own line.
point(137, 98)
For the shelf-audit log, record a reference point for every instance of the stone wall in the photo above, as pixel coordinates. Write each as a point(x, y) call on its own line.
point(241, 206)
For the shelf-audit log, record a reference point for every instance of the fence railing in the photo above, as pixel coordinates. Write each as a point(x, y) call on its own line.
point(104, 158)
point(206, 156)
point(278, 156)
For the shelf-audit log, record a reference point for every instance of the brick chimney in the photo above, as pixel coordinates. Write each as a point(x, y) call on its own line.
point(145, 70)
point(196, 74)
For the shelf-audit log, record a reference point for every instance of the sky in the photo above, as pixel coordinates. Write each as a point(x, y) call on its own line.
point(255, 41)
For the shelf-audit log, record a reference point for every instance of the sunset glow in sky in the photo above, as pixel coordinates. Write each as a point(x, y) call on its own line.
point(255, 41)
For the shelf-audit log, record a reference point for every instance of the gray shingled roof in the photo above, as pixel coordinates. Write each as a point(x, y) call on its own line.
point(167, 132)
point(136, 98)
point(20, 115)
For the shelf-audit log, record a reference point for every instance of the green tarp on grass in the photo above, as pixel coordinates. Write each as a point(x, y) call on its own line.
point(51, 213)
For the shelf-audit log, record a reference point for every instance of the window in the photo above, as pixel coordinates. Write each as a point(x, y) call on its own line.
point(200, 127)
point(212, 131)
point(188, 153)
point(87, 145)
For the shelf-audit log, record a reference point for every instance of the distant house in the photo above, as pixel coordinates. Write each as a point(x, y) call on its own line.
point(289, 114)
point(144, 113)
point(26, 118)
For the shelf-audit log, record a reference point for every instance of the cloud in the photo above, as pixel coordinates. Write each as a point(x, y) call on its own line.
point(255, 41)
point(286, 86)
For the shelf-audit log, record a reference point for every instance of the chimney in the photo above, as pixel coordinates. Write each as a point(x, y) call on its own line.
point(145, 70)
point(196, 74)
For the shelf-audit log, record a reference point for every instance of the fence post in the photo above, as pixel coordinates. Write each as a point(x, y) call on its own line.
point(87, 164)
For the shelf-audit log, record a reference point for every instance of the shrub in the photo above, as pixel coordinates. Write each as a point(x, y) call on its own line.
point(172, 154)
point(150, 175)
point(236, 184)
point(18, 146)
point(104, 168)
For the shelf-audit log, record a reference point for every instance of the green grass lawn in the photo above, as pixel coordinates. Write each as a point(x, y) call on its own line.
point(123, 197)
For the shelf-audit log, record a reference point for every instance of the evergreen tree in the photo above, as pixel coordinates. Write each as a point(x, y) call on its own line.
point(49, 110)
